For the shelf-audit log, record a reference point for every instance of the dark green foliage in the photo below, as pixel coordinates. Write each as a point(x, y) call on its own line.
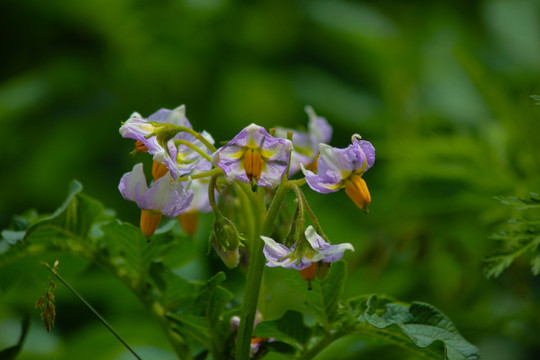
point(419, 323)
point(523, 238)
point(442, 89)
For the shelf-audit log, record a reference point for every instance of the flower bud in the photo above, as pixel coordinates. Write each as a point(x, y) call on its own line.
point(226, 240)
point(224, 233)
point(231, 258)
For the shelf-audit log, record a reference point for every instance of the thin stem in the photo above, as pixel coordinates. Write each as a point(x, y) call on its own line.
point(198, 136)
point(100, 318)
point(299, 182)
point(301, 206)
point(193, 147)
point(312, 215)
point(216, 171)
point(256, 267)
point(211, 193)
point(246, 206)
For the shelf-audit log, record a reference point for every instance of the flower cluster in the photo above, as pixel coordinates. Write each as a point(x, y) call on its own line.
point(188, 173)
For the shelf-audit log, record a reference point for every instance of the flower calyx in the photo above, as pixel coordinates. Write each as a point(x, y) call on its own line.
point(226, 239)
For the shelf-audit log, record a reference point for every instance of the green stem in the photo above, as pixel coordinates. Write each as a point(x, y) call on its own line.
point(198, 136)
point(216, 171)
point(256, 267)
point(87, 304)
point(312, 215)
point(300, 182)
point(193, 147)
point(301, 207)
point(211, 193)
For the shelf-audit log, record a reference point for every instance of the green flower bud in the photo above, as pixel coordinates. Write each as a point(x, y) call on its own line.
point(226, 239)
point(231, 258)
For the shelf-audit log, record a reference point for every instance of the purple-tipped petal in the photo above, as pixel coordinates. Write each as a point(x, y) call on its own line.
point(325, 252)
point(369, 152)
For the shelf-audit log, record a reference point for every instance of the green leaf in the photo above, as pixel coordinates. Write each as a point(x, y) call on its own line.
point(128, 247)
point(12, 352)
point(192, 326)
point(12, 237)
point(535, 265)
point(324, 297)
point(537, 98)
point(174, 293)
point(419, 327)
point(73, 220)
point(70, 228)
point(204, 321)
point(213, 299)
point(289, 328)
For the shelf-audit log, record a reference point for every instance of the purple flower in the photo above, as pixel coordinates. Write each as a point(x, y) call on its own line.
point(180, 159)
point(254, 155)
point(343, 168)
point(166, 196)
point(306, 144)
point(301, 257)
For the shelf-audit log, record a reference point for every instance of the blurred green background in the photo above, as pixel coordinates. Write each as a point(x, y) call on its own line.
point(442, 89)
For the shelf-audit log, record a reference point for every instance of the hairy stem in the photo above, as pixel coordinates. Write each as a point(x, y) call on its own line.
point(263, 226)
point(312, 215)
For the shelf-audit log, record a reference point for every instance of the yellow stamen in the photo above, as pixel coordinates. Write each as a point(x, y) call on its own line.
point(309, 274)
point(253, 164)
point(313, 165)
point(356, 188)
point(158, 170)
point(150, 220)
point(189, 222)
point(140, 147)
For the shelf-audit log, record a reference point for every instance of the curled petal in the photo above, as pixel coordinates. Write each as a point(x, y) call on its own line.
point(336, 166)
point(325, 252)
point(133, 184)
point(279, 255)
point(165, 195)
